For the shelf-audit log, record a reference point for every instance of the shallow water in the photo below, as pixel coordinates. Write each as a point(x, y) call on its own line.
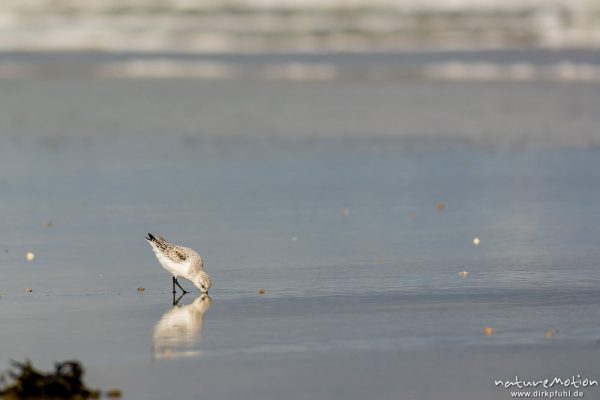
point(363, 296)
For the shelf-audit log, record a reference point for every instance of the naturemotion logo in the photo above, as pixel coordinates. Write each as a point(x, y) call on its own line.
point(556, 387)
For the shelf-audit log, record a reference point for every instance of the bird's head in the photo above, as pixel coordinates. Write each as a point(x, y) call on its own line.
point(202, 282)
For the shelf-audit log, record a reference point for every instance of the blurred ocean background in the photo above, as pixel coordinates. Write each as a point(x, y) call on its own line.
point(299, 25)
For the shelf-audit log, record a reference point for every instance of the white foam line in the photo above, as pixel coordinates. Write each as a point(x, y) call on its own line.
point(215, 70)
point(461, 71)
point(163, 68)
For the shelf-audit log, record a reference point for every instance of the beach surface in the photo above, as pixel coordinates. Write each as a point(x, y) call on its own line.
point(354, 204)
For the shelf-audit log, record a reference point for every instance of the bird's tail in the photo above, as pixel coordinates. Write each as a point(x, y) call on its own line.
point(159, 241)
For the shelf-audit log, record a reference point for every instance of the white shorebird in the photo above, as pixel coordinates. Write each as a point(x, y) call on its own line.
point(180, 262)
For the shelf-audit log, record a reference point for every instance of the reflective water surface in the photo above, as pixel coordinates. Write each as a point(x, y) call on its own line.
point(328, 204)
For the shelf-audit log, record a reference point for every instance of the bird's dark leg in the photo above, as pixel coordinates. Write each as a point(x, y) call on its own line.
point(182, 289)
point(174, 285)
point(176, 300)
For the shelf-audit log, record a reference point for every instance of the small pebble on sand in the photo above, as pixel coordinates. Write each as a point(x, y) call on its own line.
point(261, 291)
point(476, 241)
point(463, 274)
point(30, 256)
point(488, 331)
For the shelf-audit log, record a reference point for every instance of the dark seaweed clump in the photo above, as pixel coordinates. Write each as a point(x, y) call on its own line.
point(64, 383)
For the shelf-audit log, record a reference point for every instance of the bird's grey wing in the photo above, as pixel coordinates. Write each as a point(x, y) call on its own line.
point(175, 253)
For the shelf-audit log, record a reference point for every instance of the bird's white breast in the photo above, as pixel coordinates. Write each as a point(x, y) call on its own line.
point(175, 268)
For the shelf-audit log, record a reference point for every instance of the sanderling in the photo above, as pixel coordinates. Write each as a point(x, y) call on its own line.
point(180, 261)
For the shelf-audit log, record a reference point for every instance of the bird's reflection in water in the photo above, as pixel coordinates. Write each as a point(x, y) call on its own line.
point(179, 331)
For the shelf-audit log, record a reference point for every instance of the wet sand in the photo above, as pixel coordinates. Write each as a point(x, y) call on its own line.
point(326, 202)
